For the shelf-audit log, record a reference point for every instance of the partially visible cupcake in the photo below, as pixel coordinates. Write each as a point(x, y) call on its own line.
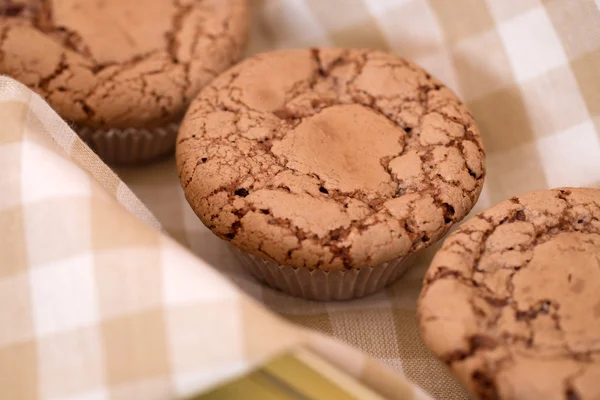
point(510, 302)
point(328, 168)
point(122, 72)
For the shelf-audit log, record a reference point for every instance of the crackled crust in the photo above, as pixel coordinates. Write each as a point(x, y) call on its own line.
point(329, 158)
point(512, 300)
point(116, 63)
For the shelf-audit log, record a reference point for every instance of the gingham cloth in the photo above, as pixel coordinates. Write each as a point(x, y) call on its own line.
point(529, 70)
point(96, 303)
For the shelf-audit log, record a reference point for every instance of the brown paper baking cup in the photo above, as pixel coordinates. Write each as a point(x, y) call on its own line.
point(324, 285)
point(130, 145)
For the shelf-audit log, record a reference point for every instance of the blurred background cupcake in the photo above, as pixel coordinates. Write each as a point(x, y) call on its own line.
point(122, 72)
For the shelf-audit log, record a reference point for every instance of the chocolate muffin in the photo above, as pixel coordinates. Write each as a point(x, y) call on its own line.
point(328, 168)
point(511, 302)
point(123, 72)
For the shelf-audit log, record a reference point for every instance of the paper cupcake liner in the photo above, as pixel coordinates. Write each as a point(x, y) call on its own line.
point(324, 285)
point(130, 145)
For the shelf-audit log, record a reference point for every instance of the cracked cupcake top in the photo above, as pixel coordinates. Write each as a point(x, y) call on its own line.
point(329, 158)
point(116, 63)
point(512, 300)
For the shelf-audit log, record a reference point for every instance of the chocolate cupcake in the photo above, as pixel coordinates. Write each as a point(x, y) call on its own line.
point(511, 301)
point(327, 168)
point(122, 72)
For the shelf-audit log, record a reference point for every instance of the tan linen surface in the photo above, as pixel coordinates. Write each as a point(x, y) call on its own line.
point(96, 304)
point(529, 70)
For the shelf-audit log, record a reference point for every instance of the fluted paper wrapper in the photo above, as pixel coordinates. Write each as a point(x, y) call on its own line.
point(324, 285)
point(130, 146)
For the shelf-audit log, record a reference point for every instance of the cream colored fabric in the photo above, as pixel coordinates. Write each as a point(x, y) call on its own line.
point(97, 303)
point(529, 70)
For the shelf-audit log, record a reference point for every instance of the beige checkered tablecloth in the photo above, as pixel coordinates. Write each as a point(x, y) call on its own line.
point(529, 70)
